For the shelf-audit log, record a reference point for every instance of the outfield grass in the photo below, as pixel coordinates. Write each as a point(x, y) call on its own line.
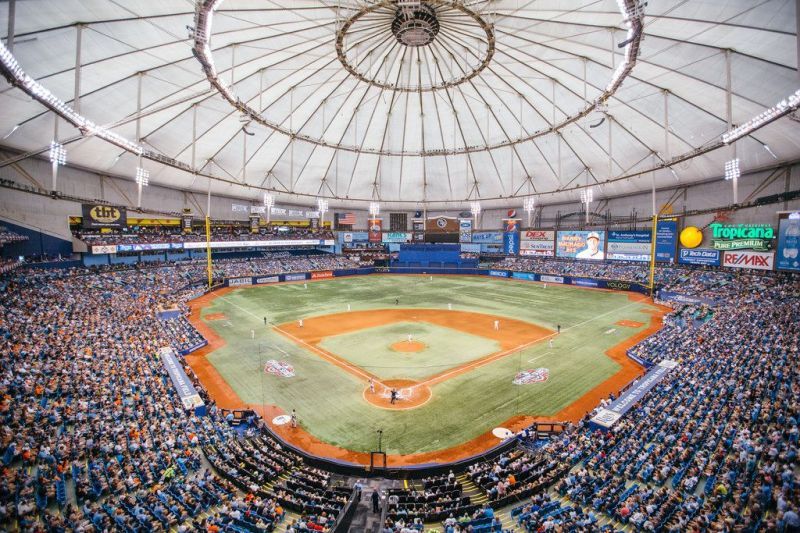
point(329, 400)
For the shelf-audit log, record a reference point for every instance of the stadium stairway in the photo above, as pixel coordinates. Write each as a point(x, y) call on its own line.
point(476, 495)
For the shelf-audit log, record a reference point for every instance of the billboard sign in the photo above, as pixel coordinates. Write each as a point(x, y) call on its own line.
point(538, 243)
point(577, 244)
point(103, 216)
point(498, 273)
point(465, 230)
point(321, 274)
point(699, 256)
point(375, 230)
point(742, 236)
point(666, 240)
point(492, 237)
point(294, 277)
point(396, 237)
point(511, 236)
point(551, 279)
point(789, 243)
point(748, 259)
point(267, 279)
point(104, 249)
point(629, 245)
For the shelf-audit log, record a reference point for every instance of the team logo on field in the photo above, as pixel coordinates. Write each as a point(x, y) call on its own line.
point(279, 368)
point(533, 375)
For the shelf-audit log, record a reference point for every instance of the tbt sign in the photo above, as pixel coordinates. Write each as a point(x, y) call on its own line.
point(103, 216)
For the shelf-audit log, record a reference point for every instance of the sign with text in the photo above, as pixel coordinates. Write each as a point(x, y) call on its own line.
point(375, 230)
point(578, 244)
point(629, 245)
point(789, 243)
point(538, 243)
point(666, 240)
point(103, 216)
point(699, 256)
point(748, 259)
point(741, 236)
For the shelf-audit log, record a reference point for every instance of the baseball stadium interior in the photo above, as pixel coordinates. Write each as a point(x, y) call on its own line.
point(399, 266)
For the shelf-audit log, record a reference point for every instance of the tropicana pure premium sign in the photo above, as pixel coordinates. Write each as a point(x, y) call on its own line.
point(742, 236)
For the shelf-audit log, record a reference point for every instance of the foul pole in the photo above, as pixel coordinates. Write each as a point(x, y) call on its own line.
point(208, 252)
point(653, 255)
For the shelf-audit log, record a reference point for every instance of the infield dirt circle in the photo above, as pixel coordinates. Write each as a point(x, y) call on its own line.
point(411, 394)
point(408, 346)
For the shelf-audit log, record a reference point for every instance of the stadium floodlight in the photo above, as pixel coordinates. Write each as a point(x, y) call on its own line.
point(322, 208)
point(529, 204)
point(374, 209)
point(269, 202)
point(587, 195)
point(142, 177)
point(475, 209)
point(784, 107)
point(732, 171)
point(58, 154)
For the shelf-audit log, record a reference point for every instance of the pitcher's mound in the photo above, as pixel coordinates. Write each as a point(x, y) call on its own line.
point(406, 346)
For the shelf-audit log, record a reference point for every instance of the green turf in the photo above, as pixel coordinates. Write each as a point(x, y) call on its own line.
point(329, 400)
point(445, 348)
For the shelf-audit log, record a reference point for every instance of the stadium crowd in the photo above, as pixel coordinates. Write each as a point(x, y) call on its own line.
point(90, 419)
point(7, 237)
point(712, 447)
point(92, 422)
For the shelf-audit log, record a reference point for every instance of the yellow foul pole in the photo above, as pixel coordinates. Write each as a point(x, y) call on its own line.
point(653, 255)
point(209, 267)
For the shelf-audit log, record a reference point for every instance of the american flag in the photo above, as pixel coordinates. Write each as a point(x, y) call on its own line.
point(347, 219)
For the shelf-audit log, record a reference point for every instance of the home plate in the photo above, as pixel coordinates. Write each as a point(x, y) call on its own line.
point(502, 433)
point(281, 420)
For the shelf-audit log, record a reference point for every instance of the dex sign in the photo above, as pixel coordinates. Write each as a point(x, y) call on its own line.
point(742, 236)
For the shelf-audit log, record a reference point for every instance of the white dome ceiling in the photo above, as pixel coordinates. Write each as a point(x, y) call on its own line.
point(472, 100)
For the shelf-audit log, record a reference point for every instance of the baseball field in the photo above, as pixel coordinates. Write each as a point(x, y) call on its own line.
point(464, 355)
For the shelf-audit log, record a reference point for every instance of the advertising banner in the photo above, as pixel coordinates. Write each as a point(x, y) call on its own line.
point(347, 237)
point(538, 243)
point(576, 244)
point(606, 417)
point(699, 256)
point(396, 237)
point(498, 273)
point(255, 244)
point(747, 259)
point(741, 236)
point(789, 243)
point(375, 230)
point(511, 236)
point(183, 386)
point(471, 248)
point(465, 230)
point(527, 276)
point(585, 282)
point(551, 279)
point(103, 216)
point(441, 225)
point(267, 279)
point(186, 222)
point(146, 247)
point(294, 277)
point(254, 223)
point(238, 282)
point(491, 237)
point(666, 240)
point(669, 296)
point(321, 274)
point(104, 249)
point(628, 245)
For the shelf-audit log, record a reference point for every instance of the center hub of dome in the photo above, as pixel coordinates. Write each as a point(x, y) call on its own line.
point(415, 23)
